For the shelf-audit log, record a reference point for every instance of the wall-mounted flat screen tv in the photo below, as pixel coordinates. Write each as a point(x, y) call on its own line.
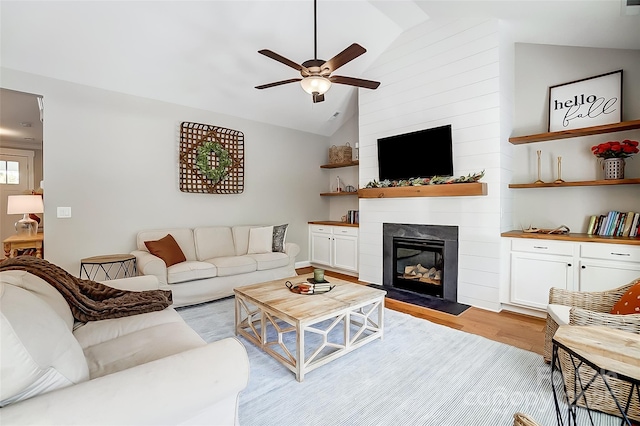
point(424, 153)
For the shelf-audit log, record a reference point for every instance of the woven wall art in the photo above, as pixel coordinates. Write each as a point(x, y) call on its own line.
point(211, 159)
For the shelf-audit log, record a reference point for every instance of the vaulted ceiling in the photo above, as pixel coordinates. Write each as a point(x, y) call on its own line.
point(203, 54)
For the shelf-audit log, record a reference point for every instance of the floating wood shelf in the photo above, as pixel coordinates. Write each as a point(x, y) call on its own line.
point(337, 194)
point(337, 165)
point(583, 238)
point(333, 223)
point(444, 190)
point(577, 183)
point(574, 133)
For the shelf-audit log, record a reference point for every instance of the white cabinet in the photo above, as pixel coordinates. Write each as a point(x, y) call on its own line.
point(334, 246)
point(321, 242)
point(607, 266)
point(537, 265)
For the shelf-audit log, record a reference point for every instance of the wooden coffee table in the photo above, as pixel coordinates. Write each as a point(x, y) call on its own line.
point(304, 332)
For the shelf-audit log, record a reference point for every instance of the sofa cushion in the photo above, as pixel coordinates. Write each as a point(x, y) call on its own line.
point(213, 241)
point(241, 238)
point(183, 236)
point(43, 290)
point(38, 351)
point(279, 237)
point(95, 332)
point(559, 313)
point(140, 347)
point(260, 240)
point(270, 260)
point(167, 249)
point(189, 271)
point(234, 265)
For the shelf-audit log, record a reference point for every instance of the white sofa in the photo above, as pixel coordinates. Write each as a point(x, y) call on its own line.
point(217, 261)
point(149, 368)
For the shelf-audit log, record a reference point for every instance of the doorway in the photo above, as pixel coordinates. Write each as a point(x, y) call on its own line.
point(21, 159)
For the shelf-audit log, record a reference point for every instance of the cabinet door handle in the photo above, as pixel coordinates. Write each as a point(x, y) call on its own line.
point(584, 267)
point(620, 254)
point(568, 264)
point(540, 247)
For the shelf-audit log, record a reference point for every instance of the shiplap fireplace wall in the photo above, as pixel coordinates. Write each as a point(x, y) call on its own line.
point(438, 73)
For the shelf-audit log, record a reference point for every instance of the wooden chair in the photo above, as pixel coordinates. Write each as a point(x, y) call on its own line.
point(592, 308)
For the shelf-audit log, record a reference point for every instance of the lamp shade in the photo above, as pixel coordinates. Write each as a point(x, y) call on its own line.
point(315, 84)
point(21, 204)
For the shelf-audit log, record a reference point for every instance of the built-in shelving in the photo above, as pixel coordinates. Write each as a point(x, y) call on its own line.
point(444, 190)
point(338, 165)
point(574, 133)
point(337, 194)
point(577, 183)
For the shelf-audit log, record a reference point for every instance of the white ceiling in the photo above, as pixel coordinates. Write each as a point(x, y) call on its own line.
point(203, 54)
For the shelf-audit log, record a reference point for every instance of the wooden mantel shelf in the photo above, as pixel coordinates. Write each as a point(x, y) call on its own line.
point(444, 190)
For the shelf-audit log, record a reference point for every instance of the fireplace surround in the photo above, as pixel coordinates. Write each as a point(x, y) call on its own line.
point(429, 246)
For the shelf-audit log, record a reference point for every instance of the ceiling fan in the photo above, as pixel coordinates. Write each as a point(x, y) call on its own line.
point(316, 73)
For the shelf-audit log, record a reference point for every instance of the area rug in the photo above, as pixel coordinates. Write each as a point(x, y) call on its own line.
point(421, 373)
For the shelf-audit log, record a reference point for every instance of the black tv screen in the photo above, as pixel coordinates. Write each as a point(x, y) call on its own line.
point(424, 153)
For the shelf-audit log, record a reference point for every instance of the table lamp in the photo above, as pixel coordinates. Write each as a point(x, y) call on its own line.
point(25, 204)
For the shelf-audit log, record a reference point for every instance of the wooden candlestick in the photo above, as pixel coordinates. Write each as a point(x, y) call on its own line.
point(559, 180)
point(539, 180)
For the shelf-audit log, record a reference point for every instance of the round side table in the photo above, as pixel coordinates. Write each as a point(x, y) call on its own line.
point(108, 267)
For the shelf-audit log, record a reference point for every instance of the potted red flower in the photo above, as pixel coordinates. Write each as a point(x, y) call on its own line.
point(613, 154)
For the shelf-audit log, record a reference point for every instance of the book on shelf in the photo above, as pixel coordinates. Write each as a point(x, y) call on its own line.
point(615, 224)
point(592, 224)
point(617, 229)
point(633, 232)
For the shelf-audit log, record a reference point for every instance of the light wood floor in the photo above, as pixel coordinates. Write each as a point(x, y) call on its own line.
point(514, 329)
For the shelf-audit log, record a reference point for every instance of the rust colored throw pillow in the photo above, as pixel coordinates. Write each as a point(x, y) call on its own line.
point(166, 249)
point(629, 303)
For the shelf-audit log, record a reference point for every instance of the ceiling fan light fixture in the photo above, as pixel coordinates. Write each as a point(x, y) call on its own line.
point(315, 84)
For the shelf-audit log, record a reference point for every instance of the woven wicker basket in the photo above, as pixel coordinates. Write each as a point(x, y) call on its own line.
point(340, 154)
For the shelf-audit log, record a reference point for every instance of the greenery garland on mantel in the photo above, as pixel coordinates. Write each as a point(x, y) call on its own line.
point(435, 180)
point(203, 164)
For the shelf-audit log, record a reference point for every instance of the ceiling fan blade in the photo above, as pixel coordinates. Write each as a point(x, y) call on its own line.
point(317, 98)
point(347, 55)
point(358, 82)
point(273, 55)
point(278, 83)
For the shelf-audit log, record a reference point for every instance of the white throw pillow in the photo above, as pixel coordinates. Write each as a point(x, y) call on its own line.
point(260, 240)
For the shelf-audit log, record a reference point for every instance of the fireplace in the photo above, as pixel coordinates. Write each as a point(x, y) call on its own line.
point(419, 265)
point(421, 259)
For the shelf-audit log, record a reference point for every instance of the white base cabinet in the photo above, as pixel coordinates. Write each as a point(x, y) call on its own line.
point(334, 246)
point(536, 265)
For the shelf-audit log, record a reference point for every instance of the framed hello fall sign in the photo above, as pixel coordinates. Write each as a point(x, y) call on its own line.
point(592, 101)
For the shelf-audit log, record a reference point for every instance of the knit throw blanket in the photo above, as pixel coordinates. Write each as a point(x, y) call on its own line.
point(90, 300)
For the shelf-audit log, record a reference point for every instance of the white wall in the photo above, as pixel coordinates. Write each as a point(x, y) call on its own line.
point(113, 159)
point(536, 68)
point(440, 72)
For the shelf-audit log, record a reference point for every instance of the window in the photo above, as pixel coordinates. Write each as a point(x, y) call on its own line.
point(9, 172)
